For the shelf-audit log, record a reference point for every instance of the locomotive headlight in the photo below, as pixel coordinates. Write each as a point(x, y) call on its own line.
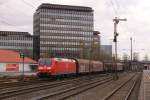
point(40, 68)
point(48, 68)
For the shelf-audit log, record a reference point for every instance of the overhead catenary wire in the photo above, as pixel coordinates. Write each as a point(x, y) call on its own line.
point(28, 4)
point(6, 23)
point(117, 4)
point(3, 20)
point(113, 7)
point(36, 2)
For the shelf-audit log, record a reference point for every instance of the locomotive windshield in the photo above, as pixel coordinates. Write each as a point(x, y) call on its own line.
point(45, 61)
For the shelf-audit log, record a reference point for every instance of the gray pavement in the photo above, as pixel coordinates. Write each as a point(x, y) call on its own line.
point(144, 93)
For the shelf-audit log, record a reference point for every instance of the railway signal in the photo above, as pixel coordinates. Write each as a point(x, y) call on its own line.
point(115, 37)
point(116, 21)
point(21, 55)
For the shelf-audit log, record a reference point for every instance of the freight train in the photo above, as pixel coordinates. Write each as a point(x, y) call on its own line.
point(48, 67)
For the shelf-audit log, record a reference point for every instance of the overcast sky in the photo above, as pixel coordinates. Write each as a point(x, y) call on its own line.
point(17, 15)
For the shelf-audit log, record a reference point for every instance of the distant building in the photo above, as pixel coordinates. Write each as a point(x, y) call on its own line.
point(107, 49)
point(18, 41)
point(96, 37)
point(62, 30)
point(96, 45)
point(106, 52)
point(11, 64)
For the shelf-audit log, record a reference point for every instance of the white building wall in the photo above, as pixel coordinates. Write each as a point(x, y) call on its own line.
point(2, 67)
point(27, 70)
point(26, 67)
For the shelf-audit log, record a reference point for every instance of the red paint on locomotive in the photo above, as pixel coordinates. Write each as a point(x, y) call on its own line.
point(56, 66)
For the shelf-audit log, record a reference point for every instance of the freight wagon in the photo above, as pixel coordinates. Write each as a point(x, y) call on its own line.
point(111, 66)
point(87, 66)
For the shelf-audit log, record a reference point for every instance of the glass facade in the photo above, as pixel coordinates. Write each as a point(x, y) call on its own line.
point(62, 28)
point(18, 41)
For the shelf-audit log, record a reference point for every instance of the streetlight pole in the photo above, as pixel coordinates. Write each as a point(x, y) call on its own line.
point(131, 53)
point(23, 68)
point(90, 56)
point(22, 56)
point(116, 21)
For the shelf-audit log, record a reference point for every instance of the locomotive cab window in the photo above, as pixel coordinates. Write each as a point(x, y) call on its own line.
point(41, 62)
point(45, 62)
point(48, 62)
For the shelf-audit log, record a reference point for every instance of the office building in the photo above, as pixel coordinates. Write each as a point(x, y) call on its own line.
point(96, 45)
point(17, 41)
point(62, 30)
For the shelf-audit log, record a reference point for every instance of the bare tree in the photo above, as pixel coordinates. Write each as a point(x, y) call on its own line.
point(104, 56)
point(146, 58)
point(136, 56)
point(125, 57)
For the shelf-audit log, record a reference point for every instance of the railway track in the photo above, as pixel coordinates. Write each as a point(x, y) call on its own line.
point(124, 91)
point(5, 85)
point(68, 83)
point(18, 84)
point(71, 92)
point(66, 93)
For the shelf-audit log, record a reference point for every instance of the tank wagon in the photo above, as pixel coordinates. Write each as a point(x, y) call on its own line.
point(63, 66)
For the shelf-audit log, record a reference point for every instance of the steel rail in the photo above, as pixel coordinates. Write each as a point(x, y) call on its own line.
point(97, 83)
point(39, 87)
point(115, 90)
point(132, 88)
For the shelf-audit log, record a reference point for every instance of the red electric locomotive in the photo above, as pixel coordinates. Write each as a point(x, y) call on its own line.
point(56, 66)
point(63, 66)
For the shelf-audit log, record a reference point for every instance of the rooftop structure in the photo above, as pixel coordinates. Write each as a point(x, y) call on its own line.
point(64, 7)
